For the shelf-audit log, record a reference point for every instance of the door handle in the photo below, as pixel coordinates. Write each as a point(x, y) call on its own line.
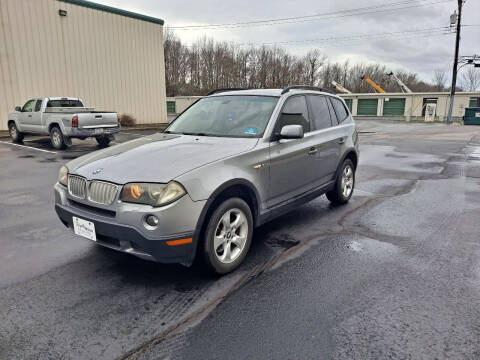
point(29, 115)
point(312, 151)
point(341, 140)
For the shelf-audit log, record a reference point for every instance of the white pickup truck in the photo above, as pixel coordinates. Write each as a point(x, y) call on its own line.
point(63, 118)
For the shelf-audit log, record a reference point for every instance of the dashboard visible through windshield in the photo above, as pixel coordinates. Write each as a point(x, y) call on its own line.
point(228, 116)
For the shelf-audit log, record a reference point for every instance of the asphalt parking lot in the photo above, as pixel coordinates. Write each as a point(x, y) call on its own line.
point(393, 274)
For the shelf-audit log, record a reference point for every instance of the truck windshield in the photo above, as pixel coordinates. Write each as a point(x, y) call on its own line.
point(229, 116)
point(64, 103)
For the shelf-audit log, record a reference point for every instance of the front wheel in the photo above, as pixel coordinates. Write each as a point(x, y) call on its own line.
point(228, 236)
point(16, 135)
point(344, 184)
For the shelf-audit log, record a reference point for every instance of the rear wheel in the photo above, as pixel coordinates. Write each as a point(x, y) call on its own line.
point(56, 138)
point(344, 184)
point(103, 141)
point(228, 236)
point(16, 135)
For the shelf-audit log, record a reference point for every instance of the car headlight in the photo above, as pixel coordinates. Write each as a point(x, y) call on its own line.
point(63, 175)
point(152, 194)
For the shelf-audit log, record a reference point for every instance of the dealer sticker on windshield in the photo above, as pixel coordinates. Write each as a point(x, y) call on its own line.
point(251, 131)
point(84, 228)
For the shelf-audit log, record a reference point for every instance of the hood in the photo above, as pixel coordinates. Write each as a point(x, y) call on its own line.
point(156, 158)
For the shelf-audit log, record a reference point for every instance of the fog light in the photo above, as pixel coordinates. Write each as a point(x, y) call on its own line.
point(152, 220)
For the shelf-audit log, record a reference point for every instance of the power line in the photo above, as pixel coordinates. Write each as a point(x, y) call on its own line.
point(443, 29)
point(356, 38)
point(406, 4)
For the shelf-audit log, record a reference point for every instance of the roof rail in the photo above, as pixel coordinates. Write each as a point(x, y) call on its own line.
point(224, 90)
point(306, 87)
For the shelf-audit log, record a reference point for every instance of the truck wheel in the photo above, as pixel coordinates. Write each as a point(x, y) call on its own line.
point(344, 184)
point(56, 138)
point(103, 141)
point(228, 236)
point(16, 135)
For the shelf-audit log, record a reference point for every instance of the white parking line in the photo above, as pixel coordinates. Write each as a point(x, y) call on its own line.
point(28, 147)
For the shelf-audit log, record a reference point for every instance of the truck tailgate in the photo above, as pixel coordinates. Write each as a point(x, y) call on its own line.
point(97, 120)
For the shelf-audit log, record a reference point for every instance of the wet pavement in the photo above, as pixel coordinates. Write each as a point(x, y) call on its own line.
point(393, 274)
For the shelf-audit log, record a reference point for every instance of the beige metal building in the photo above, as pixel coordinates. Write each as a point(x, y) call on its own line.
point(111, 58)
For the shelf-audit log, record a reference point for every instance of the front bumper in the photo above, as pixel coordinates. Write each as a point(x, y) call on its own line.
point(122, 228)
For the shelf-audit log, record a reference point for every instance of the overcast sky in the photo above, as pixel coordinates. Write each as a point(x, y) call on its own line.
point(419, 52)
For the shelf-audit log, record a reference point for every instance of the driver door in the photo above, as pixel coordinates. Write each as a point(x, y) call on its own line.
point(291, 161)
point(26, 116)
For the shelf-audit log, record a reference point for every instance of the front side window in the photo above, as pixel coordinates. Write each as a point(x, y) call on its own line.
point(38, 105)
point(321, 114)
point(339, 109)
point(28, 107)
point(295, 112)
point(228, 116)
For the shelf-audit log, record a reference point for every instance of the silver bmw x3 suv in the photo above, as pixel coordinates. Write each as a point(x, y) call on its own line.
point(229, 163)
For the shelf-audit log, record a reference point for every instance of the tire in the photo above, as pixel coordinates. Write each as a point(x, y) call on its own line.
point(16, 135)
point(344, 184)
point(56, 138)
point(220, 236)
point(103, 141)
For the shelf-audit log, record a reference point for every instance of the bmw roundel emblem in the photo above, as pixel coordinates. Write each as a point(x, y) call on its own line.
point(95, 172)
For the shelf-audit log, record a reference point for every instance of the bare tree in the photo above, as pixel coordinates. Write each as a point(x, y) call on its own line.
point(470, 79)
point(439, 79)
point(209, 64)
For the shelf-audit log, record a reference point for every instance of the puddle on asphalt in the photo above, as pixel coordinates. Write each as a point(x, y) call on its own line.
point(354, 245)
point(284, 241)
point(381, 156)
point(473, 153)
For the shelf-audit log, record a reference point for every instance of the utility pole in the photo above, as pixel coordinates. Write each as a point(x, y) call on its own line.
point(455, 63)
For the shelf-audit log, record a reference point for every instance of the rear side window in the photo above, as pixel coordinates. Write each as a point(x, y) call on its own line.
point(38, 105)
point(295, 112)
point(333, 116)
point(64, 103)
point(339, 109)
point(321, 114)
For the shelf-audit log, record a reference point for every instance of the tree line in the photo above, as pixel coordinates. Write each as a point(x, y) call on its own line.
point(207, 65)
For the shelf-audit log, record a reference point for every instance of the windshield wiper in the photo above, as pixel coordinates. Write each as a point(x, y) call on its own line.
point(194, 134)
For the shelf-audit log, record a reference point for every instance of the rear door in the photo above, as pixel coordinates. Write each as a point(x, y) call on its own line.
point(291, 161)
point(326, 138)
point(36, 119)
point(339, 114)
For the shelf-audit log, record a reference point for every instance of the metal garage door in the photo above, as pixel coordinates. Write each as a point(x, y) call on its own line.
point(394, 106)
point(348, 102)
point(171, 107)
point(367, 107)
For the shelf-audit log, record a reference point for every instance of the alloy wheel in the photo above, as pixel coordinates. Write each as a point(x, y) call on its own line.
point(230, 236)
point(347, 181)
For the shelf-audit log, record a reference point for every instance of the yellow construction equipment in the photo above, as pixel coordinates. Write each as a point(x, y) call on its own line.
point(372, 84)
point(340, 88)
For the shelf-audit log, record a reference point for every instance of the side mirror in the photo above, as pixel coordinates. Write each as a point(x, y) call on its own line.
point(291, 132)
point(18, 108)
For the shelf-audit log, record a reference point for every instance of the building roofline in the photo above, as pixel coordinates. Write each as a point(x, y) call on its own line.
point(113, 10)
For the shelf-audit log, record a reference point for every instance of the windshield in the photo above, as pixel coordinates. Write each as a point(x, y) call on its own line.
point(230, 116)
